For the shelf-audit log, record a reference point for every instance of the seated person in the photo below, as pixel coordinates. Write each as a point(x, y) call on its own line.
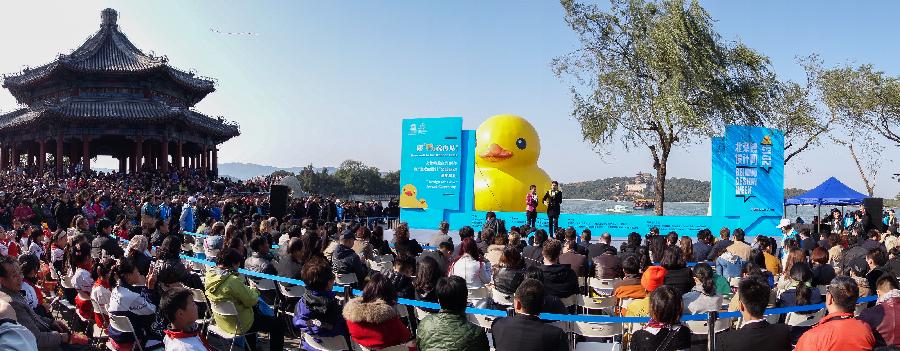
point(525, 331)
point(559, 279)
point(50, 334)
point(260, 259)
point(665, 324)
point(372, 318)
point(427, 276)
point(400, 276)
point(449, 329)
point(838, 330)
point(800, 290)
point(756, 333)
point(651, 280)
point(128, 298)
point(630, 286)
point(345, 261)
point(510, 271)
point(101, 292)
point(703, 297)
point(30, 265)
point(80, 260)
point(223, 283)
point(179, 309)
point(318, 313)
point(883, 316)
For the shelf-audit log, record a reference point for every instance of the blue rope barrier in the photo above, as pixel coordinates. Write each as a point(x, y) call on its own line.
point(544, 316)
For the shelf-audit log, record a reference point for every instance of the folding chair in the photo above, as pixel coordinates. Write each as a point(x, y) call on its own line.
point(482, 320)
point(266, 287)
point(702, 327)
point(200, 299)
point(345, 279)
point(334, 343)
point(123, 324)
point(227, 309)
point(501, 298)
point(289, 293)
point(590, 304)
point(597, 330)
point(795, 319)
point(97, 331)
point(604, 287)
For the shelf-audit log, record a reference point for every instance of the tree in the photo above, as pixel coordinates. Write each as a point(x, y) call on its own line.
point(866, 105)
point(357, 178)
point(656, 75)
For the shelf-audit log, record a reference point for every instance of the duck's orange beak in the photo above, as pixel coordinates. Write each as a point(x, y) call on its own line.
point(496, 153)
point(408, 193)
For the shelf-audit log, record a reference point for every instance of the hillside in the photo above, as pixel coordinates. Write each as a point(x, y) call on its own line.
point(677, 189)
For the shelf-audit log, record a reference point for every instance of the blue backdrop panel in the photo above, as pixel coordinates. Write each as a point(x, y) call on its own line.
point(747, 177)
point(430, 174)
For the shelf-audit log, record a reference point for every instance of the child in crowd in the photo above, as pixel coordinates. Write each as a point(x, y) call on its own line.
point(179, 309)
point(80, 260)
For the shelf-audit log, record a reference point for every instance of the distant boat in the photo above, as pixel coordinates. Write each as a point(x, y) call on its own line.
point(618, 209)
point(644, 204)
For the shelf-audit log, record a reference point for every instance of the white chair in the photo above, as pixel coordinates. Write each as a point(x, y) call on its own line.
point(597, 330)
point(379, 266)
point(603, 286)
point(602, 303)
point(482, 320)
point(570, 300)
point(478, 293)
point(295, 291)
point(501, 298)
point(334, 343)
point(702, 327)
point(263, 284)
point(420, 313)
point(99, 330)
point(345, 279)
point(123, 324)
point(795, 319)
point(227, 309)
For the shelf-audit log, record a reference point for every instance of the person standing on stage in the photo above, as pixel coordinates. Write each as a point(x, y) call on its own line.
point(531, 203)
point(553, 199)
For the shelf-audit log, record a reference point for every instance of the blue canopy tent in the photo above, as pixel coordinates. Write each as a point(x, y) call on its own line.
point(831, 192)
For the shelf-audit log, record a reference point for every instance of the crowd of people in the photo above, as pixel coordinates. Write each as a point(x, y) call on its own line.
point(109, 246)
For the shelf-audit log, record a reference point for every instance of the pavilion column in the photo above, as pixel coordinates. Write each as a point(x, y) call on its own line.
point(15, 157)
point(29, 157)
point(86, 154)
point(42, 152)
point(122, 163)
point(138, 150)
point(73, 156)
point(3, 156)
point(215, 161)
point(204, 159)
point(164, 161)
point(59, 155)
point(180, 154)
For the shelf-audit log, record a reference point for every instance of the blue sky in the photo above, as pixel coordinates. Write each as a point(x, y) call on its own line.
point(321, 82)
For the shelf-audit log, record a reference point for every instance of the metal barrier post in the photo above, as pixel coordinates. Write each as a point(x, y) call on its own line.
point(711, 324)
point(510, 312)
point(347, 293)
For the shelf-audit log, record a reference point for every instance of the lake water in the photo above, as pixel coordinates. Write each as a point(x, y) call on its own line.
point(675, 208)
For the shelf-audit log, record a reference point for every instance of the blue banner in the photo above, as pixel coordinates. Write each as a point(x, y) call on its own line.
point(430, 163)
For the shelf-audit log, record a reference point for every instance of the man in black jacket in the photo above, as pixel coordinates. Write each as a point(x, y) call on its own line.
point(559, 279)
point(346, 261)
point(524, 331)
point(553, 200)
point(757, 333)
point(104, 243)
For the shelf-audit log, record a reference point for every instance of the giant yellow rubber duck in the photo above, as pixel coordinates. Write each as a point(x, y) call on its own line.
point(507, 148)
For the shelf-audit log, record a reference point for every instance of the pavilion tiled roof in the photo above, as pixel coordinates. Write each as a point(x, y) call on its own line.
point(110, 52)
point(78, 109)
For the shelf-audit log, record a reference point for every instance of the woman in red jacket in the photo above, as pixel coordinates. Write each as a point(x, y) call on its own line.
point(372, 318)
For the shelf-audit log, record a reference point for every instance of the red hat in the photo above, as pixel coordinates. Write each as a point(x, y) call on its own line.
point(653, 277)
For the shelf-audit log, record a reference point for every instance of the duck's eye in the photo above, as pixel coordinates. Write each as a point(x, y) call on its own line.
point(520, 143)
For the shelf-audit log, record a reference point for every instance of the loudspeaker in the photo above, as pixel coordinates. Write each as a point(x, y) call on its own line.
point(278, 200)
point(874, 207)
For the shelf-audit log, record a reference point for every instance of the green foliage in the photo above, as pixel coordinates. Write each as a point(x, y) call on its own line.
point(653, 75)
point(351, 178)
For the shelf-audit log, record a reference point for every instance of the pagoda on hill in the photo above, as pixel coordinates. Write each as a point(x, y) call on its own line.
point(108, 97)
